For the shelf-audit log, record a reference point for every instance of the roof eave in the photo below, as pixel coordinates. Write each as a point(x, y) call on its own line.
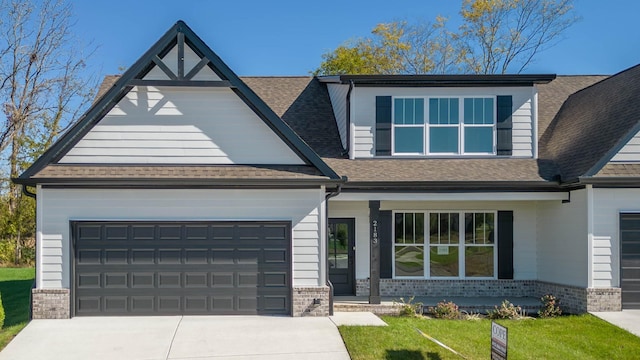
point(176, 182)
point(440, 80)
point(452, 186)
point(611, 181)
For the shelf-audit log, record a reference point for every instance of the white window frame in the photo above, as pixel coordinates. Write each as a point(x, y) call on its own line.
point(461, 246)
point(460, 126)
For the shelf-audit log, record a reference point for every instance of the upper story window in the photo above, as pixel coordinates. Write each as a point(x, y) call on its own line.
point(444, 126)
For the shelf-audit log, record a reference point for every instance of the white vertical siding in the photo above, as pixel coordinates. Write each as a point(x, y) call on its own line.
point(364, 114)
point(60, 206)
point(190, 60)
point(338, 96)
point(608, 204)
point(630, 152)
point(181, 125)
point(563, 241)
point(524, 253)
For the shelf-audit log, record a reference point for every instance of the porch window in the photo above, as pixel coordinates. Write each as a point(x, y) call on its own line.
point(459, 244)
point(409, 244)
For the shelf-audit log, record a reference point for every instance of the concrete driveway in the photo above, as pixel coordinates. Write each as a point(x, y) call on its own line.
point(626, 319)
point(178, 337)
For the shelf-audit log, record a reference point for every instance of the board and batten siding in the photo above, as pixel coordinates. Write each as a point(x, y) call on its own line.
point(563, 240)
point(57, 207)
point(363, 114)
point(524, 214)
point(169, 125)
point(608, 204)
point(338, 96)
point(630, 152)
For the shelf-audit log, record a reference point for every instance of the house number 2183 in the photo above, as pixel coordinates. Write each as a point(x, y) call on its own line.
point(374, 232)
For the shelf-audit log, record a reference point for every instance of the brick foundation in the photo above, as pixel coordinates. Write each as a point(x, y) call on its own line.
point(574, 300)
point(50, 303)
point(305, 298)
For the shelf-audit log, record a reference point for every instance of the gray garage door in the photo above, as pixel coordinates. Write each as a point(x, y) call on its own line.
point(144, 268)
point(630, 260)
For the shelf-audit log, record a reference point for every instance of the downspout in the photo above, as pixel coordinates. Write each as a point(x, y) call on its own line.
point(27, 192)
point(348, 119)
point(326, 210)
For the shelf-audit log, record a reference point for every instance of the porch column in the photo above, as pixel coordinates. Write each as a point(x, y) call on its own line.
point(374, 261)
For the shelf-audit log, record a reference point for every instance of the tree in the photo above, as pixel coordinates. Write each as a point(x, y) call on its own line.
point(496, 36)
point(42, 88)
point(503, 35)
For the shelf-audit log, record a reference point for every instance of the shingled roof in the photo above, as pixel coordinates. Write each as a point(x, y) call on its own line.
point(590, 124)
point(580, 118)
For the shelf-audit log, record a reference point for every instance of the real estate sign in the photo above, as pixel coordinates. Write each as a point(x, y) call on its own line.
point(498, 342)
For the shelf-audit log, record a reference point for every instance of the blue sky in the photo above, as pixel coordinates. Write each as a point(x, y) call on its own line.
point(288, 37)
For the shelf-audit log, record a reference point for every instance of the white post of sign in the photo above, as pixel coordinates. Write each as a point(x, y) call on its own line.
point(498, 342)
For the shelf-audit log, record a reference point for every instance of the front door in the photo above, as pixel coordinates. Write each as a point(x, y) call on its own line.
point(342, 256)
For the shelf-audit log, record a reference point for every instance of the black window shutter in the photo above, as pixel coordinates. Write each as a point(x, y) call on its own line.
point(504, 125)
point(383, 125)
point(386, 243)
point(505, 244)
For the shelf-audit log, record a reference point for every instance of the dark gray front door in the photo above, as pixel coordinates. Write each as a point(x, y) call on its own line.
point(630, 260)
point(155, 268)
point(342, 256)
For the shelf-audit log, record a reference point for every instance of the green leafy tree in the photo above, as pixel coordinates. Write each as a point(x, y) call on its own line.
point(496, 36)
point(43, 87)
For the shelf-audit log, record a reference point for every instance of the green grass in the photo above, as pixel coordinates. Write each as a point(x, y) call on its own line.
point(15, 286)
point(567, 337)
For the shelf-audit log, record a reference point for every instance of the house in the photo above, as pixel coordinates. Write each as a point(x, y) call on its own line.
point(185, 189)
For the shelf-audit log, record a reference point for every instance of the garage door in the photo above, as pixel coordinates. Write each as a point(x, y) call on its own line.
point(144, 268)
point(630, 260)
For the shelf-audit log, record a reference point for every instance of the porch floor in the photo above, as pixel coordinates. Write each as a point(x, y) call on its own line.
point(388, 305)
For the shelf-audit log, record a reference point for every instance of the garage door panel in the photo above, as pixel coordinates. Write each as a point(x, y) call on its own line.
point(89, 257)
point(170, 304)
point(116, 280)
point(143, 256)
point(142, 304)
point(142, 280)
point(116, 256)
point(116, 232)
point(196, 256)
point(143, 232)
point(196, 280)
point(89, 281)
point(176, 268)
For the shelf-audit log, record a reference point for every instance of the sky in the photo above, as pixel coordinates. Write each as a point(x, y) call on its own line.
point(288, 37)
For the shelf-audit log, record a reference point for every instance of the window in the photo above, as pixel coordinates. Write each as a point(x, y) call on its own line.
point(459, 244)
point(409, 244)
point(408, 121)
point(454, 125)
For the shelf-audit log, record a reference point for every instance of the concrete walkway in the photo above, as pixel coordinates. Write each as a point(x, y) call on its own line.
point(178, 338)
point(356, 318)
point(625, 319)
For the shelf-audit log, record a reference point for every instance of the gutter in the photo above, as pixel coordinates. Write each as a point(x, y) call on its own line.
point(326, 210)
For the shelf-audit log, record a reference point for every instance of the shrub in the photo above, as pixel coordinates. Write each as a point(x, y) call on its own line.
point(408, 307)
point(1, 313)
point(506, 310)
point(550, 307)
point(445, 310)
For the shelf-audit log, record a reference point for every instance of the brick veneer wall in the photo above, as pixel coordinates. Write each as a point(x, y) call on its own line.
point(50, 303)
point(573, 299)
point(303, 301)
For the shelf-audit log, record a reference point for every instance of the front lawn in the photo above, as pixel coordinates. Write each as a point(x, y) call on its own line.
point(15, 287)
point(567, 337)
